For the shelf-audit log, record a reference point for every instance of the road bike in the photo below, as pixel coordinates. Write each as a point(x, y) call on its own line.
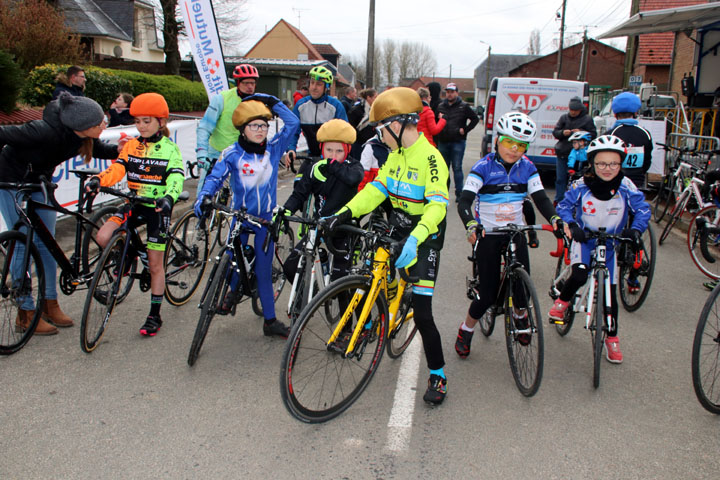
point(691, 190)
point(517, 301)
point(592, 300)
point(228, 269)
point(706, 355)
point(185, 258)
point(23, 274)
point(703, 240)
point(217, 224)
point(337, 343)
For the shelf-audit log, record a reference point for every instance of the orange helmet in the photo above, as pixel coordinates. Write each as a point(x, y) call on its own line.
point(149, 105)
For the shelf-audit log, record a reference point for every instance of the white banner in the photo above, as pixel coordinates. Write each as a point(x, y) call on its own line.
point(657, 131)
point(182, 132)
point(205, 44)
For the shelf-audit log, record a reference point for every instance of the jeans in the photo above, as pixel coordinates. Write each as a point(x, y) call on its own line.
point(49, 218)
point(561, 178)
point(453, 153)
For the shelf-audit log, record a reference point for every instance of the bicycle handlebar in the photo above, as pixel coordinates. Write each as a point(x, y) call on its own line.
point(392, 244)
point(513, 228)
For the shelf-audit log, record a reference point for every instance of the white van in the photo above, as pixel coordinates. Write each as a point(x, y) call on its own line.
point(544, 99)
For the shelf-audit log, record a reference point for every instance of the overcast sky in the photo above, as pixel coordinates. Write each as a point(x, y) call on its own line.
point(453, 29)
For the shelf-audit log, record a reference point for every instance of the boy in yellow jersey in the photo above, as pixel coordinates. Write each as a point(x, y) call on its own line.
point(414, 178)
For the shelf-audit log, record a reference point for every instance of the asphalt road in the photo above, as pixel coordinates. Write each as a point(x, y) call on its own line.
point(134, 409)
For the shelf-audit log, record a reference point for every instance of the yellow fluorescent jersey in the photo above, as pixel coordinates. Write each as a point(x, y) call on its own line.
point(416, 183)
point(153, 169)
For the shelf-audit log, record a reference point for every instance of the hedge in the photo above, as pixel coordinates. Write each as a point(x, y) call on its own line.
point(103, 85)
point(11, 82)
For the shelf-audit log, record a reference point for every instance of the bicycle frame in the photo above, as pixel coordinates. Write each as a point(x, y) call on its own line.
point(588, 299)
point(692, 188)
point(323, 279)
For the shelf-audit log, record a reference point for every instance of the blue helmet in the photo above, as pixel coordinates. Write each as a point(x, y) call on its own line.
point(626, 102)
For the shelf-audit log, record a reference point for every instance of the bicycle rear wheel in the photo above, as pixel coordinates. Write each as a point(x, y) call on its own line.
point(218, 287)
point(319, 381)
point(524, 337)
point(29, 286)
point(598, 329)
point(487, 321)
point(186, 256)
point(675, 215)
point(644, 275)
point(404, 329)
point(105, 290)
point(706, 355)
point(703, 241)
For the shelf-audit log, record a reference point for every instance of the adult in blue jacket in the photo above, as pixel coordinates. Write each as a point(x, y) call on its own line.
point(604, 197)
point(252, 164)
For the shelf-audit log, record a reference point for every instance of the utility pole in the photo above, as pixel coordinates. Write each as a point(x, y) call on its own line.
point(487, 71)
point(562, 37)
point(450, 79)
point(583, 57)
point(370, 55)
point(631, 49)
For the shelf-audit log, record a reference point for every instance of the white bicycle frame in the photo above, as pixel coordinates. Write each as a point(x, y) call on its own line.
point(322, 279)
point(692, 188)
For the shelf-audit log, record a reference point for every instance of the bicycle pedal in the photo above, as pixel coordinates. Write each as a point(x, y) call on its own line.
point(556, 322)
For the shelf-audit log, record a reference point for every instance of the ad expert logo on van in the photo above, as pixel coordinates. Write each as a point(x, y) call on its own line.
point(527, 102)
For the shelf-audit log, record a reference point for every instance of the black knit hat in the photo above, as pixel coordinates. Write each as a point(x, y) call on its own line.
point(79, 113)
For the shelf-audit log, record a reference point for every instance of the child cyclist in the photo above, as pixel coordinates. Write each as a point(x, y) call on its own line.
point(604, 197)
point(154, 169)
point(577, 160)
point(252, 163)
point(333, 181)
point(500, 182)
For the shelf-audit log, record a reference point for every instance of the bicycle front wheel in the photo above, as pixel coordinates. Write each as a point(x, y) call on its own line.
point(675, 215)
point(91, 250)
point(318, 380)
point(186, 256)
point(27, 289)
point(706, 355)
point(487, 321)
point(218, 287)
point(598, 329)
point(524, 335)
point(403, 332)
point(107, 288)
point(662, 200)
point(635, 283)
point(703, 241)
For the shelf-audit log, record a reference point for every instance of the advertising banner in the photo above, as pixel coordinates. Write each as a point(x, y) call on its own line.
point(205, 44)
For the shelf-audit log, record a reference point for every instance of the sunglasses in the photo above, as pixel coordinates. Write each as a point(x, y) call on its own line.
point(379, 128)
point(511, 143)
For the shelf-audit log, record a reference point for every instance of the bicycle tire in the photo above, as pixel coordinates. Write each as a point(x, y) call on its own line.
point(12, 336)
point(318, 383)
point(487, 321)
point(598, 329)
point(105, 289)
point(526, 360)
point(706, 355)
point(662, 201)
point(632, 301)
point(186, 254)
point(569, 318)
point(283, 247)
point(91, 251)
point(216, 292)
point(400, 337)
point(675, 215)
point(704, 247)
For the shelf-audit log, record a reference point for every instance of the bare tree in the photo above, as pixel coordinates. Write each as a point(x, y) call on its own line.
point(534, 45)
point(170, 31)
point(358, 64)
point(388, 60)
point(422, 60)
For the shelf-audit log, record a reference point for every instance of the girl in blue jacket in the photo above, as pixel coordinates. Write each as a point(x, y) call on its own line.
point(602, 198)
point(252, 164)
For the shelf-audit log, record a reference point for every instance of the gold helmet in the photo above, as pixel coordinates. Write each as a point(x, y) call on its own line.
point(395, 102)
point(248, 111)
point(337, 130)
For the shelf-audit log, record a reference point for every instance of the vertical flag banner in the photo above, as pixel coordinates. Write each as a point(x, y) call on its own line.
point(205, 43)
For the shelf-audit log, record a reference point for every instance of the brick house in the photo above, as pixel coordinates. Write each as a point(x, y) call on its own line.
point(465, 85)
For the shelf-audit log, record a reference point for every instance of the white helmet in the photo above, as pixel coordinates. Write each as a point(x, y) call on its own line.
point(581, 135)
point(517, 126)
point(607, 143)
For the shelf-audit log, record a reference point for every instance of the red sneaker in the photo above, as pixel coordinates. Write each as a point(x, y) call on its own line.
point(612, 350)
point(557, 312)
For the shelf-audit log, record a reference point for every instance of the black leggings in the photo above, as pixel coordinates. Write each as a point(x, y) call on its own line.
point(577, 279)
point(488, 264)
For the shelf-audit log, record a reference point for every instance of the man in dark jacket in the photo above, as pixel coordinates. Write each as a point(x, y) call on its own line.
point(72, 82)
point(460, 118)
point(575, 120)
point(349, 99)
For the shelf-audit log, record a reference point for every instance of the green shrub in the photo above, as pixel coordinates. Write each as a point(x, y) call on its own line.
point(11, 82)
point(103, 85)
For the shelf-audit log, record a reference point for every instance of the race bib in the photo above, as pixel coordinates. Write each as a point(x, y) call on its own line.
point(635, 157)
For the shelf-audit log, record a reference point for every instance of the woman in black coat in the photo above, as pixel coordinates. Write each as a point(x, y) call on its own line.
point(70, 126)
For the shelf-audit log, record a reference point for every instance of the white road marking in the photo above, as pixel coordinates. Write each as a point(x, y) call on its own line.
point(400, 423)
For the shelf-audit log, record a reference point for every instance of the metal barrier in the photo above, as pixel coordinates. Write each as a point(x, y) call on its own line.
point(699, 150)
